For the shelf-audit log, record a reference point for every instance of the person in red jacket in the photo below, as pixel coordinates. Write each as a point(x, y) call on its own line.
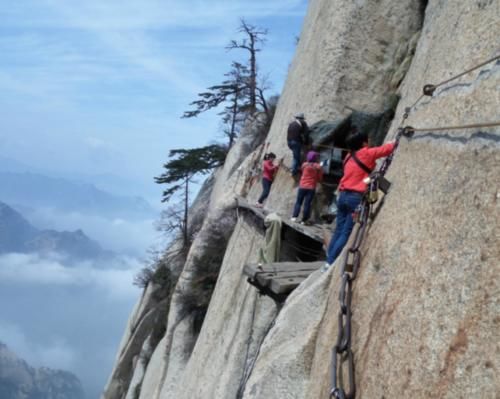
point(357, 167)
point(312, 173)
point(269, 169)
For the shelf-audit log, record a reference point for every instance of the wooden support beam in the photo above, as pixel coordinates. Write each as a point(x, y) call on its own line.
point(285, 285)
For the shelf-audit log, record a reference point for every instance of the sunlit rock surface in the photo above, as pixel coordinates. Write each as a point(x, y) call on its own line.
point(426, 301)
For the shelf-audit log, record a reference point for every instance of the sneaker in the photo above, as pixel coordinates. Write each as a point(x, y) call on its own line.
point(326, 267)
point(293, 220)
point(259, 205)
point(306, 223)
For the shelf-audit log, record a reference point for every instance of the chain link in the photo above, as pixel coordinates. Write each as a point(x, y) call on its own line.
point(352, 260)
point(342, 355)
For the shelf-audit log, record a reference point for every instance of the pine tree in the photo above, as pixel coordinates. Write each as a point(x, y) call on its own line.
point(242, 91)
point(231, 91)
point(180, 171)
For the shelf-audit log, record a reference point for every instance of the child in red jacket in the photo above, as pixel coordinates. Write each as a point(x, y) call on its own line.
point(269, 170)
point(312, 173)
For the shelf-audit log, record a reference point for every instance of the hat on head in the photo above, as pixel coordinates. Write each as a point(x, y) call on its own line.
point(312, 156)
point(300, 116)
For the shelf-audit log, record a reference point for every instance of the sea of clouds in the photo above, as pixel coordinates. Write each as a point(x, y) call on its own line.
point(67, 316)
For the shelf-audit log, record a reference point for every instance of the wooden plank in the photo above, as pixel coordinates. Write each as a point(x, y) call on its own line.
point(251, 270)
point(280, 267)
point(275, 276)
point(281, 277)
point(290, 266)
point(271, 279)
point(315, 231)
point(243, 203)
point(285, 285)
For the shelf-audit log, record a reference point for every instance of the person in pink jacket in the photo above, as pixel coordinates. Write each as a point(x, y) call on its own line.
point(312, 174)
point(269, 170)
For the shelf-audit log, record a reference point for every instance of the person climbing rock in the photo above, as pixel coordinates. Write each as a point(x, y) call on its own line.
point(297, 136)
point(269, 170)
point(312, 174)
point(357, 167)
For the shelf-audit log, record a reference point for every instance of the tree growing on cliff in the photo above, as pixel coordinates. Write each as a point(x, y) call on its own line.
point(243, 91)
point(180, 171)
point(254, 37)
point(231, 91)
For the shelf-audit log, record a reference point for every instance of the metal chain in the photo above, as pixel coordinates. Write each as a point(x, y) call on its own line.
point(342, 357)
point(428, 89)
point(433, 87)
point(409, 131)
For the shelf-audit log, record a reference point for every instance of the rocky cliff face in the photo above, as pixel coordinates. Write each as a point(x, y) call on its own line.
point(18, 380)
point(426, 301)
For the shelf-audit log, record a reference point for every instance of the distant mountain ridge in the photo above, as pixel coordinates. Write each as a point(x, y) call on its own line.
point(37, 191)
point(18, 235)
point(127, 186)
point(18, 380)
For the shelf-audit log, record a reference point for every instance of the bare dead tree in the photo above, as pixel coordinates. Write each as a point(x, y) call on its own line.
point(254, 37)
point(261, 98)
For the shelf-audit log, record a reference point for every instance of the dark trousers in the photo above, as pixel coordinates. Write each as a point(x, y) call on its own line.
point(296, 147)
point(304, 195)
point(266, 187)
point(346, 204)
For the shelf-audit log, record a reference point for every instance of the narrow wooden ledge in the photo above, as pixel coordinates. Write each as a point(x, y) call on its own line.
point(316, 232)
point(277, 280)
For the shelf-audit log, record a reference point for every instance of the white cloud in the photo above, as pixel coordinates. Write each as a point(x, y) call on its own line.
point(150, 35)
point(123, 70)
point(32, 269)
point(115, 281)
point(96, 143)
point(66, 318)
point(55, 353)
point(118, 235)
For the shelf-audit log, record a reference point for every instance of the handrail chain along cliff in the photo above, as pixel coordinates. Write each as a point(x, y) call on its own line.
point(352, 260)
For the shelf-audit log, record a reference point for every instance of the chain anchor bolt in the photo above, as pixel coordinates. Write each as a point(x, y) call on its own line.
point(408, 131)
point(429, 90)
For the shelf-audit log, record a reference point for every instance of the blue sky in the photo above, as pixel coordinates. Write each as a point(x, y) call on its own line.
point(98, 86)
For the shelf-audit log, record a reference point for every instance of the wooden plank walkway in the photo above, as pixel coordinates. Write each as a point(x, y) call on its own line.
point(277, 280)
point(316, 232)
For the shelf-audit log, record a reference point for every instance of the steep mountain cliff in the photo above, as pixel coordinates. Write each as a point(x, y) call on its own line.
point(425, 303)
